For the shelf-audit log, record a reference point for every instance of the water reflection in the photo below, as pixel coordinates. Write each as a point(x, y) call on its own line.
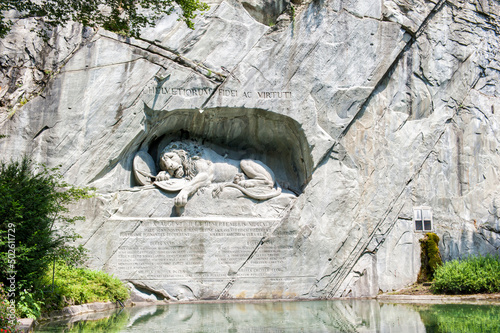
point(315, 316)
point(460, 318)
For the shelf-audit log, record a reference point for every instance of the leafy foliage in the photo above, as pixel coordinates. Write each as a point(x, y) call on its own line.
point(468, 276)
point(8, 321)
point(80, 285)
point(34, 230)
point(28, 304)
point(32, 200)
point(122, 16)
point(430, 257)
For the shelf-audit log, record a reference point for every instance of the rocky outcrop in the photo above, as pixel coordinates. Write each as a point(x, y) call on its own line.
point(364, 110)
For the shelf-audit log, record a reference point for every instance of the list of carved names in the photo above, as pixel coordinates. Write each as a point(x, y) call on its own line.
point(172, 249)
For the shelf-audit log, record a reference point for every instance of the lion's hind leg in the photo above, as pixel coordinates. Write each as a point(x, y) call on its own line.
point(258, 173)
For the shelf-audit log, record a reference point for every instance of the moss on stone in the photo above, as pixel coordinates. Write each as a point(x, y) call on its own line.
point(430, 257)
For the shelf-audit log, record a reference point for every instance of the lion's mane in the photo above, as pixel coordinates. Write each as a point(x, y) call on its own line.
point(188, 151)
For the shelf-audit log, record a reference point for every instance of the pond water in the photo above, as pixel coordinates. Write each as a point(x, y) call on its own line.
point(310, 316)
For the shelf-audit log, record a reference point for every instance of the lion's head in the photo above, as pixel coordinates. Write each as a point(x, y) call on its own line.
point(176, 158)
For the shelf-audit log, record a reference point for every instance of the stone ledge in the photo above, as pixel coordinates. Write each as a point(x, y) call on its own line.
point(476, 298)
point(26, 324)
point(75, 310)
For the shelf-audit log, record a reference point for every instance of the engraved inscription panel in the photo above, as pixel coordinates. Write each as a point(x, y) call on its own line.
point(204, 249)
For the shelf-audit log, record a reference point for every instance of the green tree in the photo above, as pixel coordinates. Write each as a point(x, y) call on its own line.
point(122, 16)
point(34, 225)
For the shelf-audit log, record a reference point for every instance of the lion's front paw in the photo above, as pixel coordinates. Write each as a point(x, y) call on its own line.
point(238, 178)
point(162, 175)
point(181, 200)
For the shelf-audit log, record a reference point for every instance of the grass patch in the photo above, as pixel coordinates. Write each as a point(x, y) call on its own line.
point(468, 276)
point(75, 286)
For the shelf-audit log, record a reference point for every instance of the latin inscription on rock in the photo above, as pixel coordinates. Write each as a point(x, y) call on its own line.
point(207, 91)
point(174, 248)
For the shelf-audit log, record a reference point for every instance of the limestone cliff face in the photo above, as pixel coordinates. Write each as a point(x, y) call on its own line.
point(365, 109)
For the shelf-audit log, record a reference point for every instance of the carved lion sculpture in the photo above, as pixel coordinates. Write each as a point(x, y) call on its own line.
point(200, 167)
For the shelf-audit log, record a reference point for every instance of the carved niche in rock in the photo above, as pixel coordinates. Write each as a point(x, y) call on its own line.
point(186, 167)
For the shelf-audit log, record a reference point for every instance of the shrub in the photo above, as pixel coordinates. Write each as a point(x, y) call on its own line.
point(29, 304)
point(32, 199)
point(81, 285)
point(8, 319)
point(468, 276)
point(34, 229)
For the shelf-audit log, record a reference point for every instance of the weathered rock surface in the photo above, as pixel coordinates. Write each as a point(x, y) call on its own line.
point(363, 109)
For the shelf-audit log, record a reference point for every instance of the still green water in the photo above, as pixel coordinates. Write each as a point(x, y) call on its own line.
point(314, 316)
